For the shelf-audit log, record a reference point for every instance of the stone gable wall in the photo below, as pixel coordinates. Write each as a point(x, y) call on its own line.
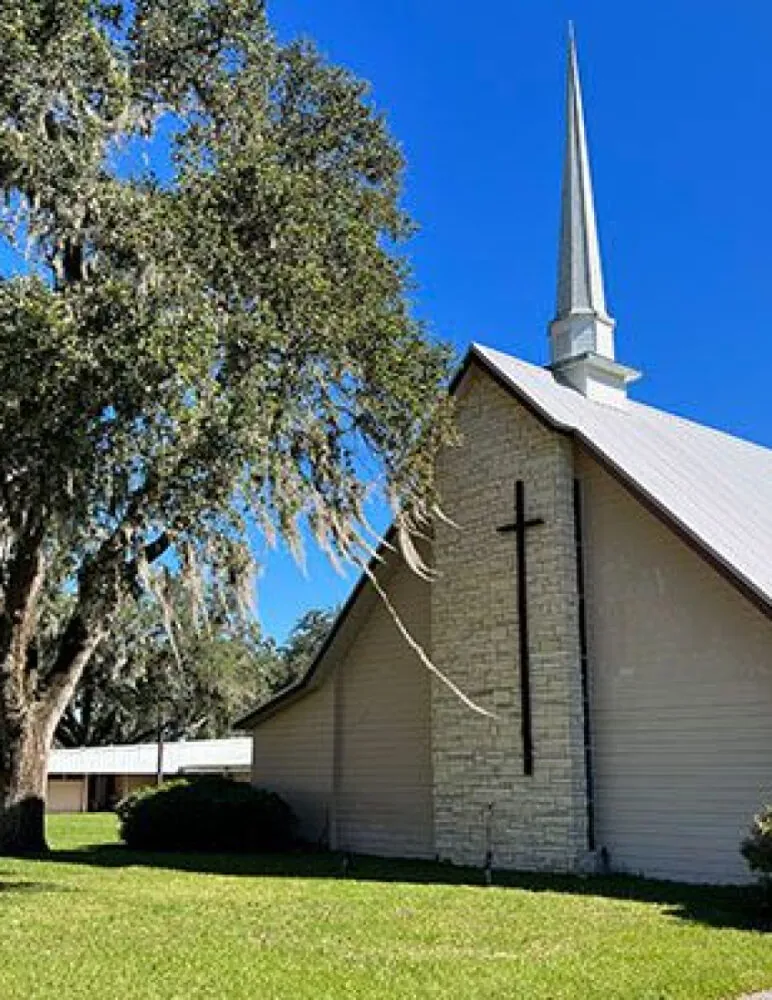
point(481, 795)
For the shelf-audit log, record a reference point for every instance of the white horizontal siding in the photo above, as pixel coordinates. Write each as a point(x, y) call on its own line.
point(353, 756)
point(385, 801)
point(292, 755)
point(681, 669)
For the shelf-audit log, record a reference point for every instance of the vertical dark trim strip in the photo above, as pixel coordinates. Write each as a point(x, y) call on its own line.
point(580, 589)
point(522, 619)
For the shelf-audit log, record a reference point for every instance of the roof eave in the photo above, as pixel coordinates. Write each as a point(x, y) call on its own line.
point(311, 677)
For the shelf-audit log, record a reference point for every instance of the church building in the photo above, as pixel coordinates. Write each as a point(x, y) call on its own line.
point(604, 593)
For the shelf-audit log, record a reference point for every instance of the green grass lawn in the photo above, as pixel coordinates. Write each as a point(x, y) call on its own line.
point(97, 921)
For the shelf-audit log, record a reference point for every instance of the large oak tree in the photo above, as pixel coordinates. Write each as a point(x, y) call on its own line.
point(205, 333)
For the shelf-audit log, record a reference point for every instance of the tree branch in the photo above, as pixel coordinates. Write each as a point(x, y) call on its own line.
point(155, 549)
point(19, 617)
point(103, 583)
point(76, 645)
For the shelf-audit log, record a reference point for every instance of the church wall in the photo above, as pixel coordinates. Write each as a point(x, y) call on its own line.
point(681, 668)
point(384, 800)
point(292, 755)
point(353, 757)
point(481, 793)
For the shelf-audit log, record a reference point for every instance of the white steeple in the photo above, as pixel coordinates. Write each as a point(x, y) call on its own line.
point(582, 333)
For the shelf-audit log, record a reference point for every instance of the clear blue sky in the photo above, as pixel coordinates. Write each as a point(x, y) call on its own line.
point(678, 98)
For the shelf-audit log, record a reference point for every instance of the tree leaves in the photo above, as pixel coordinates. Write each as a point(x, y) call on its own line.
point(136, 681)
point(215, 346)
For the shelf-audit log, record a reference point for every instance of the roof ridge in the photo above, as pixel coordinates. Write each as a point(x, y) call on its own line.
point(712, 488)
point(633, 404)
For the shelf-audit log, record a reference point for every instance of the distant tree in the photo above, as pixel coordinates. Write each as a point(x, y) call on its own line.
point(305, 640)
point(138, 685)
point(205, 331)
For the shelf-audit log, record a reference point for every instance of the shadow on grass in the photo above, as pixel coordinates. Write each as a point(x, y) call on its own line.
point(738, 907)
point(7, 887)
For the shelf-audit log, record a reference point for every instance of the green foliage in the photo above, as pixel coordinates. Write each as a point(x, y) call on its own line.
point(304, 641)
point(757, 847)
point(206, 338)
point(205, 814)
point(139, 682)
point(217, 336)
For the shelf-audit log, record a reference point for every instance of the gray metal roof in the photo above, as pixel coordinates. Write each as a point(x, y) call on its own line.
point(234, 754)
point(715, 488)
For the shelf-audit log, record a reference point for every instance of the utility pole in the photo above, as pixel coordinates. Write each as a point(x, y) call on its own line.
point(159, 773)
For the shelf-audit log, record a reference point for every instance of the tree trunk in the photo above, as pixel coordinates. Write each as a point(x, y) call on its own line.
point(27, 725)
point(22, 807)
point(30, 705)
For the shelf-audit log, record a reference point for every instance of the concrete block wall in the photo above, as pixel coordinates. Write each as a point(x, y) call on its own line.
point(481, 795)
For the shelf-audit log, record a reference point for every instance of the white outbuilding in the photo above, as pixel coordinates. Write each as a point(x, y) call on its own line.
point(89, 779)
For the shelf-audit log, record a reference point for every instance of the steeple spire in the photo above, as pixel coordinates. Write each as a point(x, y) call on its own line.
point(582, 333)
point(580, 279)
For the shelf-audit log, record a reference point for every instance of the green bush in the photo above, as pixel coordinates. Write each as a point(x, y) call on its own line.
point(205, 814)
point(757, 847)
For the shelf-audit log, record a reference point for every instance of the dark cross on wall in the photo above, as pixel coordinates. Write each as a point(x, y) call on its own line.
point(519, 528)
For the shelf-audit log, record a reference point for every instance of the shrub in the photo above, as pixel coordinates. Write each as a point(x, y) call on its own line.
point(205, 814)
point(757, 847)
